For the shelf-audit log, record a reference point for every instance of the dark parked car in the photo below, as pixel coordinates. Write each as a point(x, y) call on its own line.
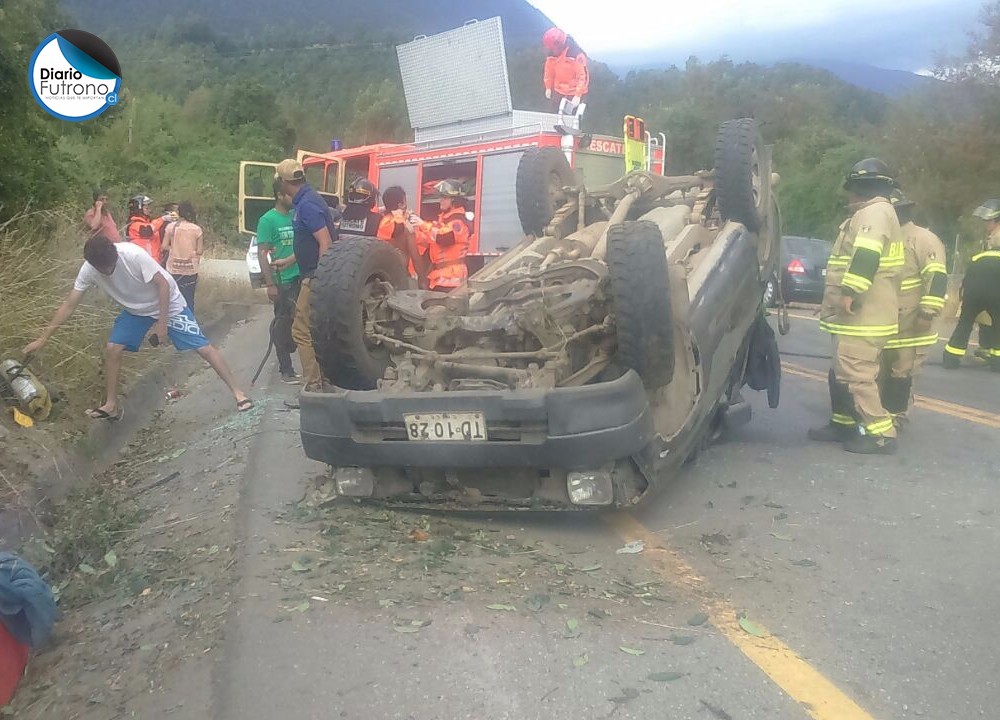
point(803, 270)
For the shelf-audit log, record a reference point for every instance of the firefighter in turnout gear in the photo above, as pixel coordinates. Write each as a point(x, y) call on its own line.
point(360, 217)
point(861, 311)
point(922, 292)
point(980, 294)
point(447, 240)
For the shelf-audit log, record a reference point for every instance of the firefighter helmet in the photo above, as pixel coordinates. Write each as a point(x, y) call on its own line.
point(362, 192)
point(554, 40)
point(869, 170)
point(449, 188)
point(989, 210)
point(900, 201)
point(137, 203)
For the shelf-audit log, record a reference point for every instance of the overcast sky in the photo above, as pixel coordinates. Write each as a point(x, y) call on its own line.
point(901, 34)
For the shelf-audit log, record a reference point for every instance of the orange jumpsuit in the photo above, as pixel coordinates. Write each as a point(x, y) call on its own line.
point(448, 240)
point(141, 231)
point(394, 233)
point(567, 75)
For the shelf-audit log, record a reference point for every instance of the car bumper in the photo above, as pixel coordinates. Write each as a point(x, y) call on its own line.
point(567, 428)
point(803, 289)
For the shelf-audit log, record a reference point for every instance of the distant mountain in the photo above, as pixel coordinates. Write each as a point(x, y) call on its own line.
point(301, 21)
point(891, 83)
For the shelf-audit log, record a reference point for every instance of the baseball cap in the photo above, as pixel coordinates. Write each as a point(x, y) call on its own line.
point(289, 171)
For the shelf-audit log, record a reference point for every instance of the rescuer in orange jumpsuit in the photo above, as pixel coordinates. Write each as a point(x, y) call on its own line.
point(566, 75)
point(139, 228)
point(447, 240)
point(396, 228)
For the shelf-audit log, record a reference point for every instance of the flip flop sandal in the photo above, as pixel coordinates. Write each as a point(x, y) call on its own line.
point(244, 405)
point(99, 414)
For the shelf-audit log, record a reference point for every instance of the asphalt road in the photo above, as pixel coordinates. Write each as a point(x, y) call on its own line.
point(873, 580)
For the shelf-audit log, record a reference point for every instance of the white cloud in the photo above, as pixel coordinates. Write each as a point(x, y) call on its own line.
point(660, 23)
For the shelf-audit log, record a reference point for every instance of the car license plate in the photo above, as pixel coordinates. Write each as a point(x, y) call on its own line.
point(446, 427)
point(823, 272)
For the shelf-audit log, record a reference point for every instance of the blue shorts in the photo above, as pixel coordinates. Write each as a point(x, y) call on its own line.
point(183, 330)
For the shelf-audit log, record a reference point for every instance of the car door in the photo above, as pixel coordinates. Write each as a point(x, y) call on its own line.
point(256, 193)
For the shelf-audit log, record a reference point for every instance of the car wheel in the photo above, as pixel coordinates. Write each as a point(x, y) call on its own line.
point(542, 173)
point(640, 298)
point(739, 183)
point(771, 293)
point(350, 276)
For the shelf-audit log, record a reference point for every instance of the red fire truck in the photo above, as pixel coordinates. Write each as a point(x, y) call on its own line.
point(479, 143)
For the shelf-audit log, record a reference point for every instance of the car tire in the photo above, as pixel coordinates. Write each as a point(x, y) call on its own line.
point(738, 180)
point(640, 299)
point(771, 293)
point(346, 275)
point(542, 173)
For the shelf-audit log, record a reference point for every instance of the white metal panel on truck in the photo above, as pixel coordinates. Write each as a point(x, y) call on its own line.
point(456, 75)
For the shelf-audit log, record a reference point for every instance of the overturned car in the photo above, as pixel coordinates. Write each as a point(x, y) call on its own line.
point(580, 368)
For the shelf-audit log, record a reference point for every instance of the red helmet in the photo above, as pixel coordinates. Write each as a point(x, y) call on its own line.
point(554, 40)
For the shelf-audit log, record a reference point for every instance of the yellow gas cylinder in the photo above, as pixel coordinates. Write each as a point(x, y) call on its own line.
point(30, 392)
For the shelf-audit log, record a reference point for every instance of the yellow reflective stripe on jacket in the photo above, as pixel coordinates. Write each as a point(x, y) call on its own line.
point(843, 419)
point(856, 282)
point(838, 261)
point(911, 284)
point(891, 262)
point(988, 253)
point(879, 428)
point(897, 343)
point(934, 267)
point(954, 350)
point(875, 331)
point(873, 244)
point(932, 301)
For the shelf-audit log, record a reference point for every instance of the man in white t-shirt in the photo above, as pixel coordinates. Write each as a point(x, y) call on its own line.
point(151, 304)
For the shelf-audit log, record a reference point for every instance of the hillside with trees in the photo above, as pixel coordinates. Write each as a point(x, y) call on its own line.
point(204, 92)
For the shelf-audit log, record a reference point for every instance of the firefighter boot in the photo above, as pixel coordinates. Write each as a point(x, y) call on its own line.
point(896, 398)
point(951, 361)
point(871, 445)
point(842, 425)
point(832, 432)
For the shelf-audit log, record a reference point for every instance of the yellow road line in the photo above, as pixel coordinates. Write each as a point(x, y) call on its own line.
point(962, 412)
point(814, 318)
point(803, 683)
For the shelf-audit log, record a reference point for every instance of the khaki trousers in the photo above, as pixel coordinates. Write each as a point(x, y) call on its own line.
point(854, 388)
point(302, 336)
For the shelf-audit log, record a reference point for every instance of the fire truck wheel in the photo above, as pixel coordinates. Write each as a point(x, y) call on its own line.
point(640, 298)
point(542, 173)
point(738, 181)
point(350, 279)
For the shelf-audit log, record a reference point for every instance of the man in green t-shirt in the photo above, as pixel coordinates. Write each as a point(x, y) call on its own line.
point(281, 276)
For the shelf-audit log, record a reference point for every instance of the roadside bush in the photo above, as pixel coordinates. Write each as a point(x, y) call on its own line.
point(40, 254)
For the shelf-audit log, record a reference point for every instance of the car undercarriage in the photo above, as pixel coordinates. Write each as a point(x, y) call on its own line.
point(577, 369)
